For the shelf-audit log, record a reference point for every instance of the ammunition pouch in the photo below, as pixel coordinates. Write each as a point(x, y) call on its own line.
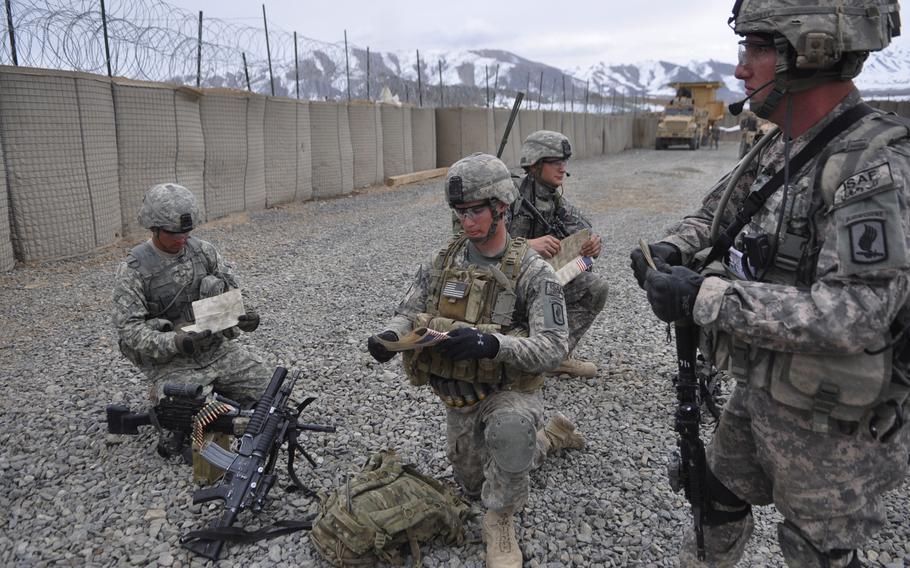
point(421, 363)
point(849, 388)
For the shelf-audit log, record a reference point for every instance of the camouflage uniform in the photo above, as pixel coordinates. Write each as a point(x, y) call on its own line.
point(586, 295)
point(826, 296)
point(538, 295)
point(152, 297)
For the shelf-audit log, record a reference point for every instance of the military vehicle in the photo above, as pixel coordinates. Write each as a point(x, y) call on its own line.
point(688, 118)
point(751, 129)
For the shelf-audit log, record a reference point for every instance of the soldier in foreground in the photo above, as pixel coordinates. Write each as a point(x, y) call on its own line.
point(808, 308)
point(153, 294)
point(505, 316)
point(544, 155)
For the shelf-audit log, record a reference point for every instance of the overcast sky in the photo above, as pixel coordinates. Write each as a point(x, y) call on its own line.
point(562, 34)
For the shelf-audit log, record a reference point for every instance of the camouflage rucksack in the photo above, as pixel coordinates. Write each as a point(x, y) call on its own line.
point(383, 511)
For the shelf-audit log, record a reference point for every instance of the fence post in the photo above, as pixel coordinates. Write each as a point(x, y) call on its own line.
point(347, 66)
point(12, 33)
point(368, 72)
point(587, 83)
point(540, 90)
point(486, 78)
point(419, 81)
point(296, 68)
point(268, 51)
point(528, 90)
point(441, 97)
point(199, 52)
point(495, 85)
point(107, 47)
point(246, 72)
point(563, 92)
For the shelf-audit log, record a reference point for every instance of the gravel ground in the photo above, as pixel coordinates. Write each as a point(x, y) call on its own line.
point(325, 275)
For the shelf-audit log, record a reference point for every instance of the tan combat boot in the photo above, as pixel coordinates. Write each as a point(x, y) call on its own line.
point(559, 434)
point(502, 544)
point(576, 368)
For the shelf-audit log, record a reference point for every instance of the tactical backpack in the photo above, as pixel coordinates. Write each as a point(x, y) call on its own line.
point(384, 511)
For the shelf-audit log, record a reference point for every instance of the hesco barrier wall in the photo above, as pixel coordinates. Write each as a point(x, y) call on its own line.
point(150, 148)
point(397, 143)
point(365, 119)
point(60, 150)
point(224, 128)
point(594, 131)
point(645, 131)
point(304, 153)
point(900, 107)
point(333, 157)
point(280, 150)
point(511, 153)
point(79, 151)
point(254, 183)
point(580, 138)
point(7, 257)
point(423, 138)
point(530, 121)
point(462, 131)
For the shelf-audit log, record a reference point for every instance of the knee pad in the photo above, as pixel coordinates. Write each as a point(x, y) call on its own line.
point(723, 505)
point(798, 551)
point(600, 290)
point(512, 441)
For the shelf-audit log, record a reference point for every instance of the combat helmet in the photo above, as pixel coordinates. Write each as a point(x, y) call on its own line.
point(817, 41)
point(169, 206)
point(544, 144)
point(479, 176)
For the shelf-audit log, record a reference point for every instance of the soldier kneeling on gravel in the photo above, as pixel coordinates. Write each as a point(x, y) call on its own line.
point(544, 155)
point(153, 294)
point(504, 314)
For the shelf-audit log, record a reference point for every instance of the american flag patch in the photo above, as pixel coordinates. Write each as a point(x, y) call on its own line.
point(455, 289)
point(584, 262)
point(429, 336)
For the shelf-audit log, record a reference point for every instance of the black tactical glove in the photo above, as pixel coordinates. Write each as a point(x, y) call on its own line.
point(662, 253)
point(189, 342)
point(249, 321)
point(377, 349)
point(468, 343)
point(672, 293)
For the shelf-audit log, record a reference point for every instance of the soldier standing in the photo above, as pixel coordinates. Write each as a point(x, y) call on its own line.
point(153, 294)
point(505, 316)
point(544, 155)
point(808, 307)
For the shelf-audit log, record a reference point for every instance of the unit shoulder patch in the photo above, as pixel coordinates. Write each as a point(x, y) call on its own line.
point(865, 182)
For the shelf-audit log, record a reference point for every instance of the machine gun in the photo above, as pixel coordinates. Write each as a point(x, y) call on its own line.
point(183, 410)
point(688, 466)
point(249, 473)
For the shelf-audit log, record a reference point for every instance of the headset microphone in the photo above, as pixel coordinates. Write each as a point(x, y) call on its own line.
point(737, 108)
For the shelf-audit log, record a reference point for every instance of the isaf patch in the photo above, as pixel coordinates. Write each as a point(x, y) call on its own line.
point(867, 181)
point(868, 243)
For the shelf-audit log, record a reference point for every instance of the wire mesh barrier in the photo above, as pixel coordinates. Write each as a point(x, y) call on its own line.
point(78, 149)
point(154, 40)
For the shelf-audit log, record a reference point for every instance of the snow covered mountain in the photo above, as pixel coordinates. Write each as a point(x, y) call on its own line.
point(468, 76)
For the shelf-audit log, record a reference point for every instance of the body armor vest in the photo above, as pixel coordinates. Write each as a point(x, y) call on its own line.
point(481, 297)
point(170, 284)
point(845, 387)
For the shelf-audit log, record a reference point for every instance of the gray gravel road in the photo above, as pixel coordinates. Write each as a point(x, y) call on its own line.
point(325, 275)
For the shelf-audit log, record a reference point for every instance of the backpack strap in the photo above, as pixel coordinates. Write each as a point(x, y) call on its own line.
point(243, 536)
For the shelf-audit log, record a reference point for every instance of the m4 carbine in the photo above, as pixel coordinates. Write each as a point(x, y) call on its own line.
point(249, 473)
